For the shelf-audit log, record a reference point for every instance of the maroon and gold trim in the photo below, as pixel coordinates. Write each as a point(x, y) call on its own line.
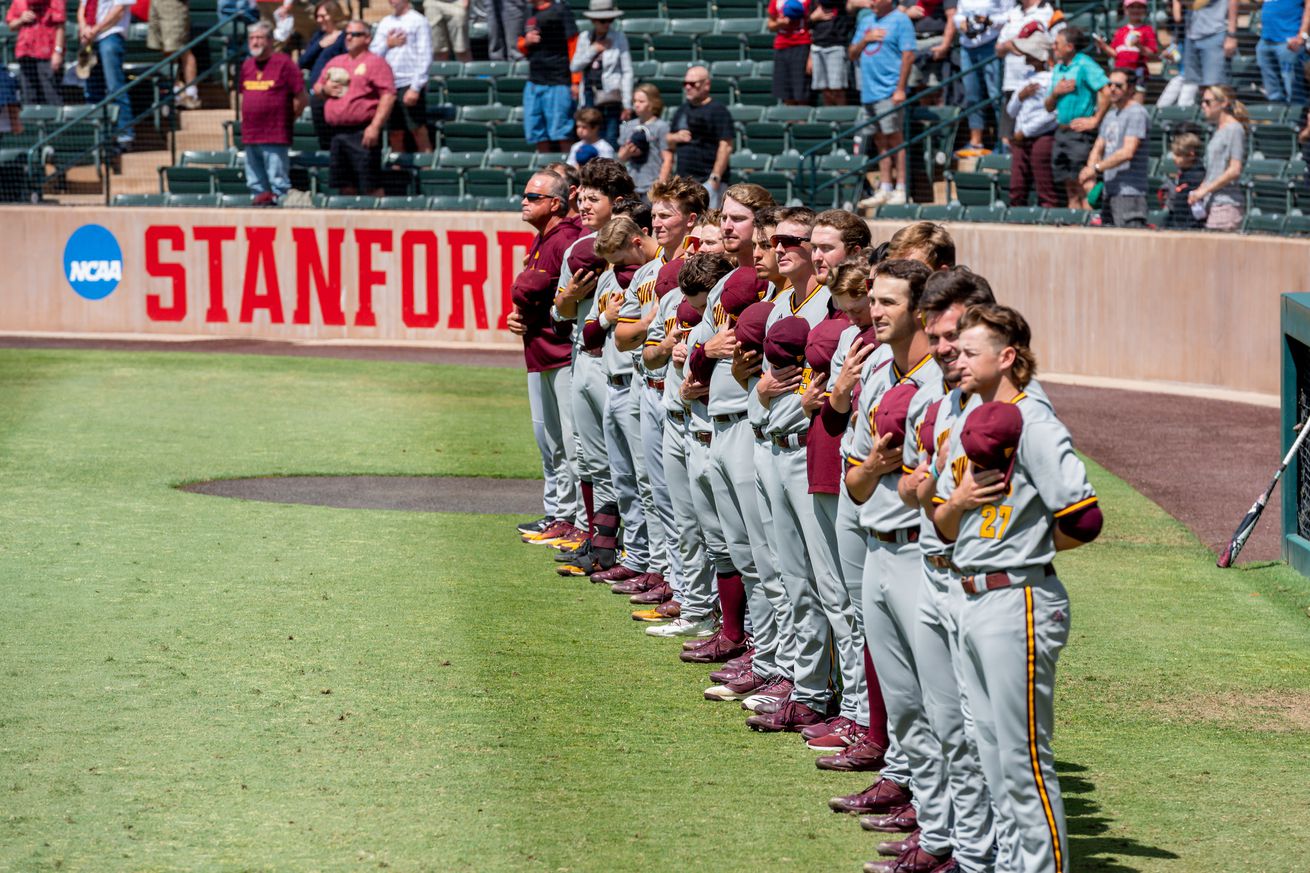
point(1072, 508)
point(1056, 848)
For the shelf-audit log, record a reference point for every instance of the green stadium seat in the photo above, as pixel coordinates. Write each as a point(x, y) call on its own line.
point(440, 182)
point(509, 90)
point(985, 213)
point(786, 162)
point(634, 27)
point(151, 200)
point(993, 163)
point(452, 204)
point(1026, 215)
point(229, 180)
point(684, 9)
point(202, 201)
point(509, 136)
point(1266, 113)
point(470, 92)
point(731, 69)
point(899, 212)
point(742, 114)
point(974, 189)
point(738, 9)
point(510, 160)
point(1075, 217)
point(1275, 142)
point(645, 69)
point(788, 114)
point(223, 158)
point(348, 201)
point(755, 91)
point(743, 26)
point(186, 180)
point(490, 182)
point(1157, 217)
point(777, 184)
point(545, 159)
point(500, 204)
point(486, 69)
point(765, 136)
point(746, 161)
point(235, 201)
point(941, 212)
point(445, 69)
point(414, 203)
point(807, 136)
point(759, 44)
point(466, 136)
point(840, 116)
point(721, 48)
point(1260, 222)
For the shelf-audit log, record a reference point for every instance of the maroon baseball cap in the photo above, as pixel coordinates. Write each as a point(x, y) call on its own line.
point(893, 407)
point(624, 274)
point(784, 345)
point(741, 289)
point(583, 255)
point(821, 344)
point(990, 437)
point(928, 430)
point(750, 326)
point(667, 279)
point(688, 317)
point(531, 284)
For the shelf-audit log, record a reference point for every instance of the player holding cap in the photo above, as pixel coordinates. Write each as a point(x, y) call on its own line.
point(1014, 494)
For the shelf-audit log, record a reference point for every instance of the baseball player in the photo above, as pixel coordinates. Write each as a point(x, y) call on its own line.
point(1012, 494)
point(893, 566)
point(602, 184)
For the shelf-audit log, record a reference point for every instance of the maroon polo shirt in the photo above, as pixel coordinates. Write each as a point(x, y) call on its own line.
point(268, 92)
point(547, 344)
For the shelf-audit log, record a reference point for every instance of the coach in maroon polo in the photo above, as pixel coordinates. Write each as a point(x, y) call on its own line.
point(547, 344)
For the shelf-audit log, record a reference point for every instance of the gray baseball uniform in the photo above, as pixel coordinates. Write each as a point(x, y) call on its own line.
point(892, 583)
point(1012, 631)
point(588, 397)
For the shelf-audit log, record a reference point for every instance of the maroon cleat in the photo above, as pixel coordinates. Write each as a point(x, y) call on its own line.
point(844, 734)
point(722, 650)
point(898, 821)
point(637, 584)
point(879, 798)
point(659, 594)
point(896, 848)
point(915, 860)
point(792, 716)
point(732, 669)
point(742, 685)
point(693, 645)
point(770, 698)
point(617, 573)
point(862, 756)
point(669, 609)
point(813, 732)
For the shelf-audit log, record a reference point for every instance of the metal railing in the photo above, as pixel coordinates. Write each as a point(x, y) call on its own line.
point(811, 157)
point(163, 107)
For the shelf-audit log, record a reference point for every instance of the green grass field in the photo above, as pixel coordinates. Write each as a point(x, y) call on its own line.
point(195, 683)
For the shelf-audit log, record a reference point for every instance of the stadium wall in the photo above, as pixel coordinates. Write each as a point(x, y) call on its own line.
point(1195, 308)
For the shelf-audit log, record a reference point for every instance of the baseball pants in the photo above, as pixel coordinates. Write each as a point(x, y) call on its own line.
point(590, 393)
point(688, 533)
point(786, 482)
point(941, 676)
point(732, 476)
point(1010, 640)
point(620, 421)
point(766, 555)
point(550, 401)
point(843, 619)
point(893, 574)
point(649, 444)
point(853, 548)
point(703, 501)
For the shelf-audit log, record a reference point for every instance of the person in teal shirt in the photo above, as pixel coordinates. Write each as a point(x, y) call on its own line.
point(1079, 98)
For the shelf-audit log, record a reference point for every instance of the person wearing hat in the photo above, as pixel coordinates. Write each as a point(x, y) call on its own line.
point(1133, 45)
point(1011, 495)
point(1033, 129)
point(547, 41)
point(1016, 69)
point(604, 59)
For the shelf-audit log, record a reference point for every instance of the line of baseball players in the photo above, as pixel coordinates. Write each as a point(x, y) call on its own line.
point(826, 467)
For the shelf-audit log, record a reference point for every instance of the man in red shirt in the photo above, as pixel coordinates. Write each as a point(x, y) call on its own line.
point(39, 47)
point(548, 344)
point(360, 91)
point(272, 96)
point(789, 21)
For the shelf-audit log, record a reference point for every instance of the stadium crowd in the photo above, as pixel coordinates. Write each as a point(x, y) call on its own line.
point(826, 466)
point(1069, 106)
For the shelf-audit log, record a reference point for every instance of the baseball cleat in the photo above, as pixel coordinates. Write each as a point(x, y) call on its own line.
point(770, 697)
point(647, 615)
point(896, 848)
point(617, 573)
point(742, 685)
point(682, 627)
point(914, 860)
point(864, 755)
point(898, 821)
point(833, 736)
point(659, 594)
point(881, 797)
point(533, 527)
point(722, 649)
point(557, 530)
point(734, 668)
point(669, 609)
point(637, 584)
point(573, 554)
point(791, 716)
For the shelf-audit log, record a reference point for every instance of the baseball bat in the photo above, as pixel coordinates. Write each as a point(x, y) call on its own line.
point(1244, 529)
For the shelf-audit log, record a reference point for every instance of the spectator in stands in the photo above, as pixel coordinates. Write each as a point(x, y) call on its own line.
point(39, 47)
point(604, 59)
point(326, 43)
point(831, 26)
point(1209, 38)
point(978, 23)
point(504, 28)
point(789, 22)
point(1033, 129)
point(702, 134)
point(884, 45)
point(272, 97)
point(1017, 71)
point(169, 29)
point(1281, 51)
point(448, 21)
point(10, 105)
point(1133, 45)
point(404, 41)
point(1119, 156)
point(549, 36)
point(1079, 98)
point(360, 92)
point(934, 25)
point(107, 33)
point(1220, 196)
point(587, 125)
point(645, 148)
point(1186, 151)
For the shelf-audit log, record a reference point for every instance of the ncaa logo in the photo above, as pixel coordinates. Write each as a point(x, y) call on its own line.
point(93, 262)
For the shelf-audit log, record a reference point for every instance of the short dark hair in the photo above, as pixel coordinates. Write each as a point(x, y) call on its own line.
point(701, 272)
point(914, 273)
point(686, 193)
point(1074, 36)
point(590, 116)
point(565, 171)
point(853, 229)
point(796, 215)
point(609, 177)
point(769, 215)
point(958, 285)
point(638, 211)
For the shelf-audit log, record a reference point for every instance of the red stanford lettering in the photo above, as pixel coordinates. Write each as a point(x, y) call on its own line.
point(309, 270)
point(259, 258)
point(156, 310)
point(461, 277)
point(411, 242)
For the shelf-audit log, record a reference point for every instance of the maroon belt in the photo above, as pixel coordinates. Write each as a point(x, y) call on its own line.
point(594, 353)
point(759, 433)
point(993, 581)
point(657, 384)
point(904, 535)
point(703, 438)
point(790, 440)
point(679, 417)
point(941, 562)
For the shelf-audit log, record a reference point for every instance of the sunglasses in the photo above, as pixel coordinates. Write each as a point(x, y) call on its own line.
point(350, 33)
point(1118, 84)
point(1208, 101)
point(787, 241)
point(533, 196)
point(694, 84)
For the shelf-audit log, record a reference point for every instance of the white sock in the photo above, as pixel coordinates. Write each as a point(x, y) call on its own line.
point(885, 186)
point(192, 91)
point(900, 186)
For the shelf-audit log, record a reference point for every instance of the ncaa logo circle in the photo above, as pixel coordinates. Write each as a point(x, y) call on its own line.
point(93, 262)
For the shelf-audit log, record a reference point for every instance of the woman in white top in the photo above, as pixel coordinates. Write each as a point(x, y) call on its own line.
point(604, 58)
point(978, 24)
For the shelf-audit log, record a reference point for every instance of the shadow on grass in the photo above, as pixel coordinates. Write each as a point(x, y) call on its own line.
point(1091, 845)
